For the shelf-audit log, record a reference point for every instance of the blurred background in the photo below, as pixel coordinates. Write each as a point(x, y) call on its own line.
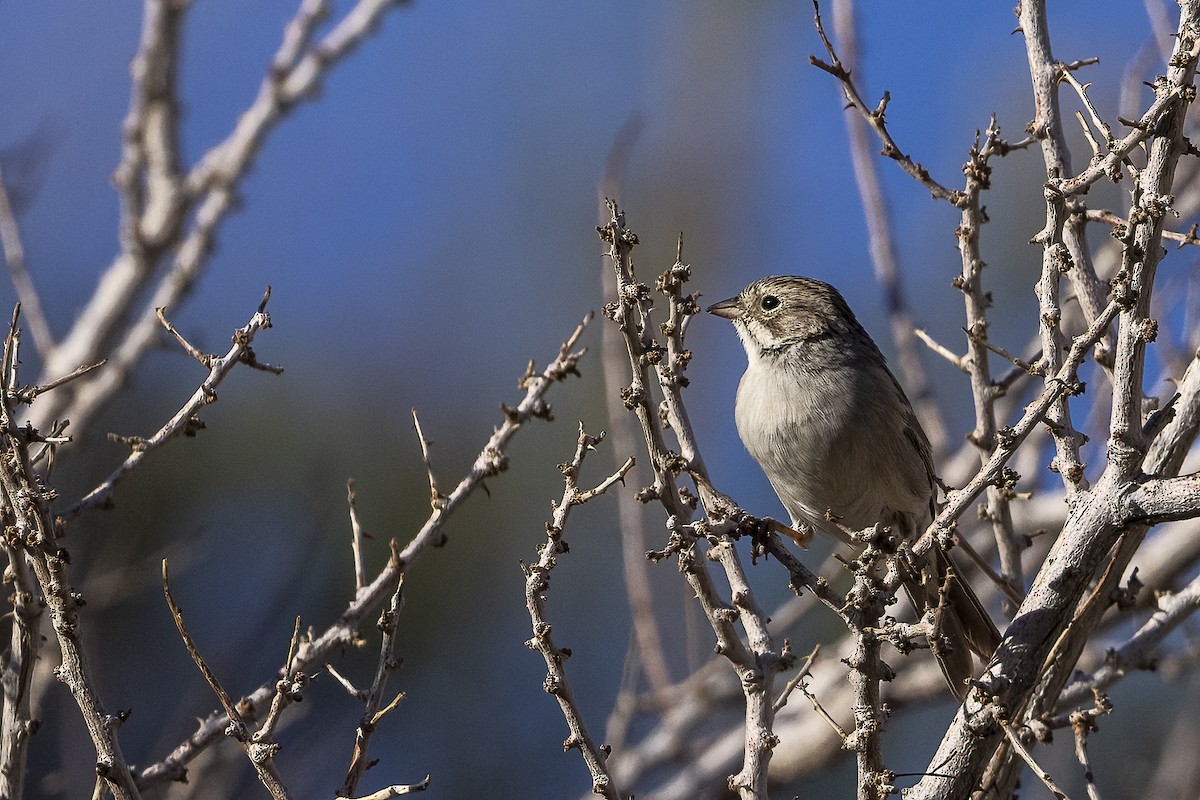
point(428, 226)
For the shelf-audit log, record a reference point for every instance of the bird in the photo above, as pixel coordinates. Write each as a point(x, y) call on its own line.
point(833, 431)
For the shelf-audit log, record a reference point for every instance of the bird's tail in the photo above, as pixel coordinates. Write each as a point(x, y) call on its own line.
point(962, 623)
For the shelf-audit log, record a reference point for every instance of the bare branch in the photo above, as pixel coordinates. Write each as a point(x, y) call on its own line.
point(343, 633)
point(435, 497)
point(1014, 738)
point(205, 359)
point(1045, 73)
point(27, 294)
point(33, 544)
point(261, 754)
point(372, 698)
point(184, 421)
point(356, 537)
point(875, 117)
point(884, 258)
point(941, 350)
point(537, 582)
point(240, 733)
point(158, 199)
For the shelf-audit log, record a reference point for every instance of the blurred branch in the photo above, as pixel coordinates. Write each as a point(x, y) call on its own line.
point(166, 211)
point(27, 294)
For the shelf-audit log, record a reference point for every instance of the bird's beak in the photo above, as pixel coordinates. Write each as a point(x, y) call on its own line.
point(729, 309)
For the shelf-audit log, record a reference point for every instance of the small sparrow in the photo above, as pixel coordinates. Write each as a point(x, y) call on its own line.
point(833, 431)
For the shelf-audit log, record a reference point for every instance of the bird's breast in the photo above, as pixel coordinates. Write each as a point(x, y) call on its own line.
point(830, 440)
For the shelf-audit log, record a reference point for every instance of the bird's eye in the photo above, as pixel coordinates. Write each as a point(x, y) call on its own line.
point(769, 302)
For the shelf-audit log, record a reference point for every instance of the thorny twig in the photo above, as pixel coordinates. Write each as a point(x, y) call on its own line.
point(1100, 519)
point(373, 709)
point(537, 581)
point(659, 365)
point(315, 649)
point(185, 421)
point(260, 751)
point(969, 282)
point(32, 543)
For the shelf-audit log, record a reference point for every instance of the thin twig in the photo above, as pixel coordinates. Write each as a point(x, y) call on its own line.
point(184, 421)
point(226, 701)
point(537, 582)
point(1014, 739)
point(28, 394)
point(801, 674)
point(345, 682)
point(356, 537)
point(342, 633)
point(372, 698)
point(882, 247)
point(205, 359)
point(941, 350)
point(261, 754)
point(435, 497)
point(816, 704)
point(875, 116)
point(287, 690)
point(1083, 723)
